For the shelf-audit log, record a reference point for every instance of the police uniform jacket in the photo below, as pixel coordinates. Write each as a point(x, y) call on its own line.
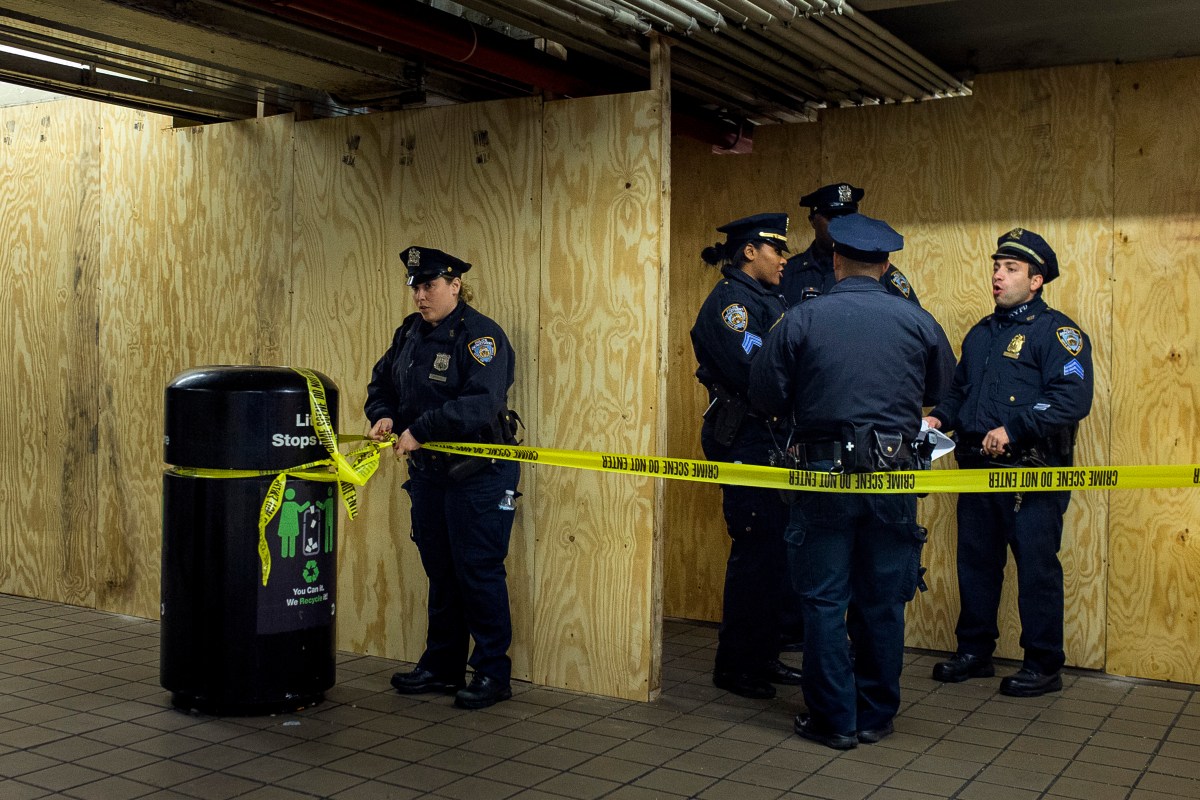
point(1027, 368)
point(856, 355)
point(444, 383)
point(730, 328)
point(814, 268)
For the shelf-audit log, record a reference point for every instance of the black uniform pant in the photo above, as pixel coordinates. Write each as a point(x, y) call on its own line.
point(855, 561)
point(988, 525)
point(756, 572)
point(463, 536)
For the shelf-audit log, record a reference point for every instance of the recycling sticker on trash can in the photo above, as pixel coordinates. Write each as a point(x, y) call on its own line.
point(302, 538)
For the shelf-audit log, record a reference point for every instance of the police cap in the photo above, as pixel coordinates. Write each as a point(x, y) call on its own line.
point(1027, 246)
point(833, 200)
point(425, 264)
point(861, 238)
point(770, 228)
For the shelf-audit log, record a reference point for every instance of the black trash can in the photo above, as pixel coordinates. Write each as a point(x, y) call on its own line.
point(229, 644)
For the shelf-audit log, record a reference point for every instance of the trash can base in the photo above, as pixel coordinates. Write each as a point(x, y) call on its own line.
point(188, 701)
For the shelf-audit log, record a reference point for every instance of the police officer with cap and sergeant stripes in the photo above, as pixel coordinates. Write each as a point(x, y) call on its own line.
point(853, 369)
point(446, 377)
point(727, 337)
point(811, 273)
point(1020, 391)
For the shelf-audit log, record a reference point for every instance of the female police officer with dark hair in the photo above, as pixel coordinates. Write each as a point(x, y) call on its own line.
point(446, 378)
point(729, 331)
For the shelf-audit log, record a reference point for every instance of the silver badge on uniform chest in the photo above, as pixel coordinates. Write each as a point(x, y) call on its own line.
point(441, 362)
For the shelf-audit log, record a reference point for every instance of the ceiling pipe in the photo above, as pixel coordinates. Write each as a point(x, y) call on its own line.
point(936, 74)
point(436, 34)
point(704, 13)
point(556, 23)
point(733, 15)
point(669, 19)
point(811, 38)
point(787, 21)
point(618, 16)
point(856, 37)
point(732, 56)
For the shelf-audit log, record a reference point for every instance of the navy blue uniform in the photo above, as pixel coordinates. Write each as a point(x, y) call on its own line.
point(1028, 369)
point(856, 356)
point(728, 333)
point(814, 268)
point(450, 383)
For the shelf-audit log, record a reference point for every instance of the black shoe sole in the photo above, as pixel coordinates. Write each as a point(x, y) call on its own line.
point(1009, 691)
point(427, 688)
point(482, 702)
point(834, 740)
point(958, 677)
point(875, 736)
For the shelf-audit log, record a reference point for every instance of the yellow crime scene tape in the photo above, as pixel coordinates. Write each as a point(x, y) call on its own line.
point(356, 468)
point(348, 471)
point(1004, 479)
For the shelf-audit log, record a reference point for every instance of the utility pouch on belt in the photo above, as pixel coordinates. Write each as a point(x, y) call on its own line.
point(865, 449)
point(730, 411)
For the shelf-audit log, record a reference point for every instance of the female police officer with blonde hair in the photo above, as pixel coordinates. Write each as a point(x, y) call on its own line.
point(729, 331)
point(446, 378)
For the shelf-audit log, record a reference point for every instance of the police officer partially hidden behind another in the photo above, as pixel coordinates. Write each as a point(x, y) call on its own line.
point(853, 368)
point(1024, 383)
point(811, 273)
point(446, 378)
point(728, 333)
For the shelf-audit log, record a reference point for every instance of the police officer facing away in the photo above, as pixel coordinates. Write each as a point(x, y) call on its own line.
point(853, 368)
point(446, 378)
point(811, 272)
point(728, 333)
point(1024, 383)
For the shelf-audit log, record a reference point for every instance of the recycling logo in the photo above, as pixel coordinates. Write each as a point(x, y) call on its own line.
point(310, 572)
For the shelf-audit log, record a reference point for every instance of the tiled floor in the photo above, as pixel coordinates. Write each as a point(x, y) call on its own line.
point(82, 716)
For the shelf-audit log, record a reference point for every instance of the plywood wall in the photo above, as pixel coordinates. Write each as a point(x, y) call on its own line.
point(1031, 149)
point(465, 180)
point(1154, 572)
point(50, 227)
point(601, 324)
point(194, 257)
point(710, 190)
point(133, 251)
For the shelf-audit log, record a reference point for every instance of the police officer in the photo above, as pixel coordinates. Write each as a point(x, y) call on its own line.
point(853, 368)
point(1024, 383)
point(446, 378)
point(811, 272)
point(728, 333)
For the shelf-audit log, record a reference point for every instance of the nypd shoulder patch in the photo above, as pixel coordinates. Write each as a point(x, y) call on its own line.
point(736, 317)
point(901, 283)
point(1071, 339)
point(483, 349)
